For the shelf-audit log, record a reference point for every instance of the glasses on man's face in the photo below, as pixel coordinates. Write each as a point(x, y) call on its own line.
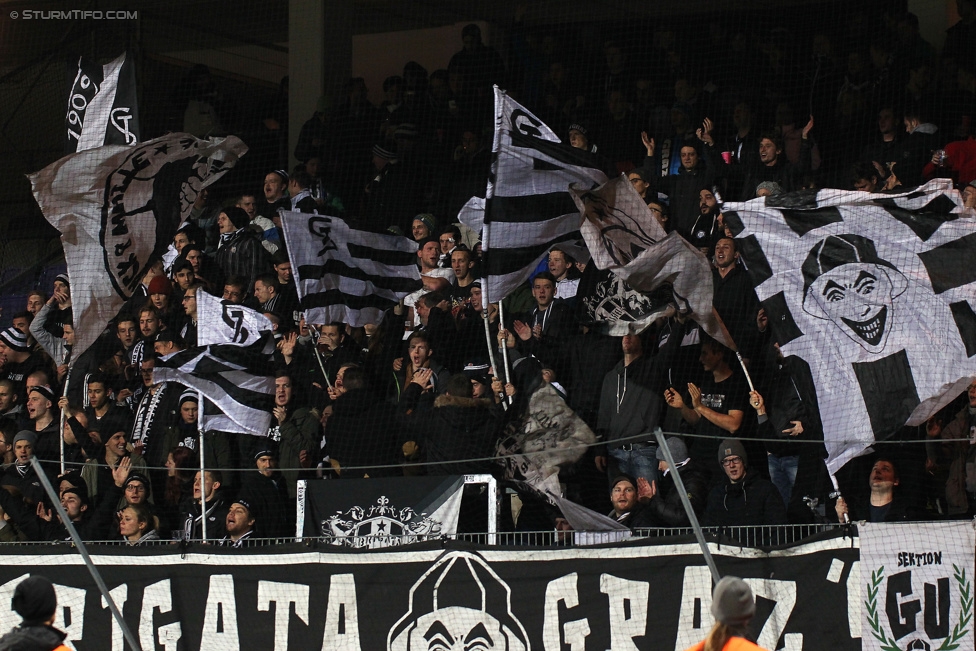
point(732, 461)
point(146, 371)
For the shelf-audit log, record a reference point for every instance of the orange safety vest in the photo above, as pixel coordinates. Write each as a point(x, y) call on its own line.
point(734, 644)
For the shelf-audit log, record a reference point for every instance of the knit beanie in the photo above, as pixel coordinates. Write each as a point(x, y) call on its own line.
point(623, 477)
point(15, 339)
point(732, 602)
point(34, 600)
point(732, 448)
point(160, 285)
point(237, 216)
point(679, 451)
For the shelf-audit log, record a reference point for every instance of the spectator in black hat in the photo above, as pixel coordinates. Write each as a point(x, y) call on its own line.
point(239, 525)
point(41, 403)
point(239, 252)
point(20, 474)
point(744, 498)
point(17, 360)
point(265, 491)
point(36, 602)
point(579, 138)
point(627, 509)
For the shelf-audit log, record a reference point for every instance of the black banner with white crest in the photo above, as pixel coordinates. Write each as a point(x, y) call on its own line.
point(117, 209)
point(380, 512)
point(637, 595)
point(102, 106)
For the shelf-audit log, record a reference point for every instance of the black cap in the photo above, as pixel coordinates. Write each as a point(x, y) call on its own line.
point(34, 600)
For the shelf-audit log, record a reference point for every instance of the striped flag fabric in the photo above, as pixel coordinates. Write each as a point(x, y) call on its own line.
point(239, 380)
point(347, 275)
point(102, 106)
point(876, 292)
point(528, 205)
point(222, 322)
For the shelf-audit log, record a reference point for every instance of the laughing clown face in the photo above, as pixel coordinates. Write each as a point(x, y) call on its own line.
point(846, 283)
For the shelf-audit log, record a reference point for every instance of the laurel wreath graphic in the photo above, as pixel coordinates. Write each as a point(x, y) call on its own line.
point(958, 632)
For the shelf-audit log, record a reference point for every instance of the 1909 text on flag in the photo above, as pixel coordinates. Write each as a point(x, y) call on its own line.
point(528, 205)
point(876, 292)
point(117, 209)
point(347, 275)
point(102, 105)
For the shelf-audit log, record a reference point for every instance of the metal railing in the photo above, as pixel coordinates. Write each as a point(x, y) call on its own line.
point(752, 536)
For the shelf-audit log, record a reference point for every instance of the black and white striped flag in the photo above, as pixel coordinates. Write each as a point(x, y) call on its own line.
point(221, 322)
point(528, 205)
point(347, 275)
point(876, 293)
point(102, 106)
point(239, 380)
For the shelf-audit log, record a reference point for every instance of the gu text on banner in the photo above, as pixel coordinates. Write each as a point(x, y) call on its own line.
point(102, 106)
point(117, 209)
point(917, 583)
point(875, 292)
point(347, 275)
point(624, 236)
point(238, 379)
point(381, 511)
point(528, 205)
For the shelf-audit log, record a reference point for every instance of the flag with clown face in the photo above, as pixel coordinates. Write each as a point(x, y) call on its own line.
point(876, 292)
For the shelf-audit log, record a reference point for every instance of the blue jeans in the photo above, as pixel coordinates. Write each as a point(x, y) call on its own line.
point(782, 472)
point(637, 463)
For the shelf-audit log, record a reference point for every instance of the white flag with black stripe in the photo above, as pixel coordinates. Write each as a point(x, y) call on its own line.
point(347, 275)
point(876, 293)
point(239, 380)
point(221, 322)
point(528, 205)
point(117, 209)
point(102, 106)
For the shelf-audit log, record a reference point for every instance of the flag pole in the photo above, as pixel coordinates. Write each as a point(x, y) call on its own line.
point(836, 494)
point(742, 363)
point(679, 486)
point(64, 418)
point(203, 471)
point(491, 345)
point(318, 355)
point(501, 322)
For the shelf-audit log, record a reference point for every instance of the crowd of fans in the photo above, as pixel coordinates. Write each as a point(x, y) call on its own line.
point(415, 393)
